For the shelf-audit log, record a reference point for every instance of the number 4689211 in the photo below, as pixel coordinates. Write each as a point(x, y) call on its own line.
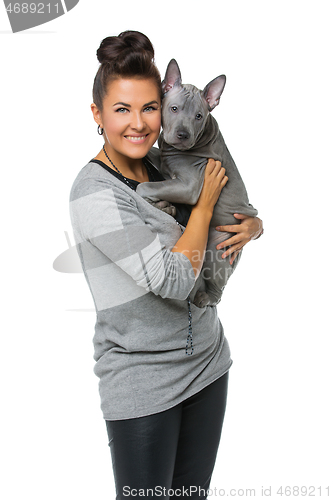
point(32, 8)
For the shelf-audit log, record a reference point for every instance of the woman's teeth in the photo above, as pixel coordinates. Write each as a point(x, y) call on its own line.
point(135, 138)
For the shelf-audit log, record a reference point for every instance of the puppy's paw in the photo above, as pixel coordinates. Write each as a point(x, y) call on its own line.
point(165, 206)
point(201, 299)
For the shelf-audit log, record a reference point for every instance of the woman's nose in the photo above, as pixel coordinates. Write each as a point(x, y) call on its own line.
point(138, 122)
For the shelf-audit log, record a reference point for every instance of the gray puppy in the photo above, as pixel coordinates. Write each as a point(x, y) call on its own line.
point(190, 136)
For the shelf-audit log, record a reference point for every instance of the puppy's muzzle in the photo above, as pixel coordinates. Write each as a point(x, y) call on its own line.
point(182, 135)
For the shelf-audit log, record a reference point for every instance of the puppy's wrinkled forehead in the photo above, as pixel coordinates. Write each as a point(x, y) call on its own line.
point(187, 97)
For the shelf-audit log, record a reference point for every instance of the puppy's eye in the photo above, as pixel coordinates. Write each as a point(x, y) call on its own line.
point(174, 109)
point(198, 116)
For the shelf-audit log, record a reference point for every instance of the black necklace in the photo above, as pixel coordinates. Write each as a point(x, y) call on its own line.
point(125, 178)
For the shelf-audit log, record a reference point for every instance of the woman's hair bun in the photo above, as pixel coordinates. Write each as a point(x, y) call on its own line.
point(114, 47)
point(128, 55)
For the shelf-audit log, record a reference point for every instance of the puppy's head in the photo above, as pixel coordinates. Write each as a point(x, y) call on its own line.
point(185, 108)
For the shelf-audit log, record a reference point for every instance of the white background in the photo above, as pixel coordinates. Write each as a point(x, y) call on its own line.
point(276, 117)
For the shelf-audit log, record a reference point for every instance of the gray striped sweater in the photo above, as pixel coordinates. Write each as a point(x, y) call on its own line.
point(140, 291)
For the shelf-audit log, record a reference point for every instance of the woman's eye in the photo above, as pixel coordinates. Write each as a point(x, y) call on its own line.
point(121, 110)
point(198, 116)
point(150, 108)
point(174, 109)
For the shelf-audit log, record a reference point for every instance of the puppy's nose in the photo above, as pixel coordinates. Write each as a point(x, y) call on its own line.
point(182, 135)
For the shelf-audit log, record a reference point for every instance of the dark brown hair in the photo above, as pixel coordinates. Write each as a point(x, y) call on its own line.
point(128, 55)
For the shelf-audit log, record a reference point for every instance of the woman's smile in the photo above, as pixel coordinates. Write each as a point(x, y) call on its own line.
point(137, 139)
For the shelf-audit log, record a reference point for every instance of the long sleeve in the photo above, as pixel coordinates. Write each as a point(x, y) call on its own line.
point(109, 227)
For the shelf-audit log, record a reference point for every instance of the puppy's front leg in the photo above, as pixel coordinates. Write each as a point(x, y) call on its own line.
point(173, 190)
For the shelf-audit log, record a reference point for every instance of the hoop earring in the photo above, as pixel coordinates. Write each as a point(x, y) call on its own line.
point(100, 130)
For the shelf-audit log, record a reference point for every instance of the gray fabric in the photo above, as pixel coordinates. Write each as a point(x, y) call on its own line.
point(140, 288)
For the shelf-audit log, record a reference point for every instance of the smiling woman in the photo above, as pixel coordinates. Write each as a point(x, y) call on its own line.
point(131, 121)
point(163, 363)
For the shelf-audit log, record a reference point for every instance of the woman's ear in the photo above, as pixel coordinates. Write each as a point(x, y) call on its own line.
point(96, 114)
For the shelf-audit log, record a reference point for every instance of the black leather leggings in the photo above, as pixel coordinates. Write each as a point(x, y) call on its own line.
point(171, 453)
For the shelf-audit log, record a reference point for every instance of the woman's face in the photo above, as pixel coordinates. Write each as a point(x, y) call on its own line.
point(131, 117)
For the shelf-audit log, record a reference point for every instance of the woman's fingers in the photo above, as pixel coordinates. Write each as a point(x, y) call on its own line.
point(242, 232)
point(224, 178)
point(231, 241)
point(214, 181)
point(232, 249)
point(211, 164)
point(215, 168)
point(210, 167)
point(230, 229)
point(248, 229)
point(234, 255)
point(234, 228)
point(241, 216)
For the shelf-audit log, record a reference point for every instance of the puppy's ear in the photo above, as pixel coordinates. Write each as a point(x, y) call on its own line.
point(172, 76)
point(212, 92)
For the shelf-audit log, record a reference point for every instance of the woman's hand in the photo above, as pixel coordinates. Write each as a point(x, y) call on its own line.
point(215, 179)
point(249, 229)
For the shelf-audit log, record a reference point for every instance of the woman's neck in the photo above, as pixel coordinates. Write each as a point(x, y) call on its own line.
point(132, 168)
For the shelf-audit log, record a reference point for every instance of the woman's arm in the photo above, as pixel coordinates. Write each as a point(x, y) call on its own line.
point(249, 229)
point(193, 242)
point(115, 241)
